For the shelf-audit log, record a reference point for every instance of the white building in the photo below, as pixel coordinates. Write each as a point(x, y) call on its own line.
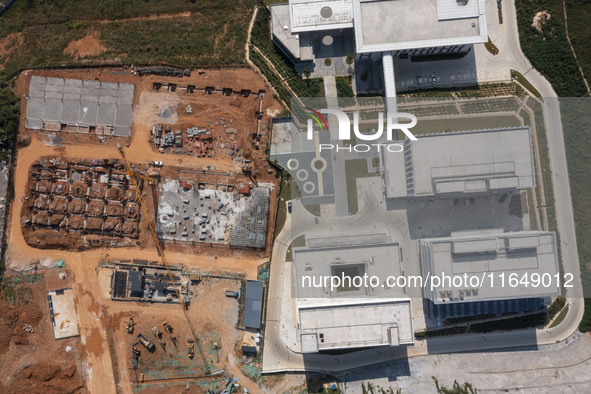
point(380, 28)
point(457, 164)
point(494, 257)
point(350, 316)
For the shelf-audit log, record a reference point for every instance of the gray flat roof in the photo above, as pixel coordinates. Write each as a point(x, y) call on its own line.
point(78, 102)
point(327, 258)
point(349, 316)
point(483, 253)
point(253, 304)
point(354, 323)
point(298, 46)
point(389, 25)
point(461, 163)
point(135, 280)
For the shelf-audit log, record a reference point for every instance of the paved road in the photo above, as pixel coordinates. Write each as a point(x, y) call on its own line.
point(510, 55)
point(277, 357)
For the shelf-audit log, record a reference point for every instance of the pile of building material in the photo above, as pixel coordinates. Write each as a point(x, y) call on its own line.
point(164, 71)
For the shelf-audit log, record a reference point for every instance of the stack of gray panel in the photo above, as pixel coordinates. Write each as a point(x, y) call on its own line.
point(80, 104)
point(250, 227)
point(178, 139)
point(195, 131)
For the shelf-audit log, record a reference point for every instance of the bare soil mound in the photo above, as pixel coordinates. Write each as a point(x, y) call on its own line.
point(47, 378)
point(84, 47)
point(12, 321)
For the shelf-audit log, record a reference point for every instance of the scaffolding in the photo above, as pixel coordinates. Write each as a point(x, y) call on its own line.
point(250, 229)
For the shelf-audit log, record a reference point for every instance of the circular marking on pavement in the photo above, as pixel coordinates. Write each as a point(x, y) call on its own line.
point(319, 164)
point(293, 164)
point(302, 175)
point(309, 187)
point(327, 40)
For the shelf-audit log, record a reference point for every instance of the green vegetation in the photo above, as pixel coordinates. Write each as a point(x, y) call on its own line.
point(492, 48)
point(354, 168)
point(17, 289)
point(560, 318)
point(458, 124)
point(576, 119)
point(506, 324)
point(579, 30)
point(488, 90)
point(533, 225)
point(548, 50)
point(371, 388)
point(9, 116)
point(345, 91)
point(327, 62)
point(466, 388)
point(556, 306)
point(298, 242)
point(284, 195)
point(39, 32)
point(350, 58)
point(285, 72)
point(344, 87)
point(500, 13)
point(514, 323)
point(526, 84)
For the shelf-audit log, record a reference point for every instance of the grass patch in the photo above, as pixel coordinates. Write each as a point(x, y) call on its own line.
point(500, 14)
point(560, 318)
point(205, 37)
point(533, 225)
point(458, 124)
point(298, 242)
point(345, 91)
point(284, 196)
point(355, 168)
point(576, 118)
point(526, 84)
point(485, 90)
point(492, 48)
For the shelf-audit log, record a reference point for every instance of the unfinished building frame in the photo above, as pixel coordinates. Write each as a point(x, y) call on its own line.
point(85, 197)
point(216, 214)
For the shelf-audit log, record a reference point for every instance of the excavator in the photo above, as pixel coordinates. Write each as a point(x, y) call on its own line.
point(168, 329)
point(129, 325)
point(158, 334)
point(132, 177)
point(247, 170)
point(135, 355)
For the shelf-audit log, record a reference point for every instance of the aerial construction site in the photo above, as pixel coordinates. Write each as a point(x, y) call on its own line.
point(147, 198)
